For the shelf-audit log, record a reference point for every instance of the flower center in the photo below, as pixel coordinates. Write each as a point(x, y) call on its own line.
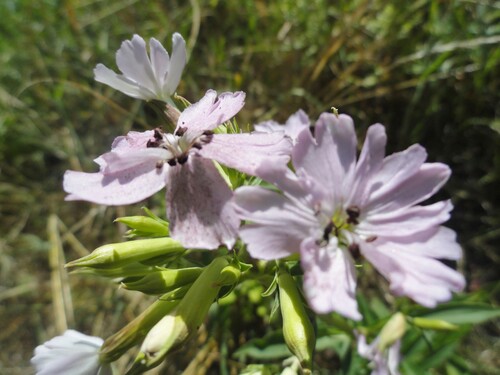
point(178, 144)
point(342, 225)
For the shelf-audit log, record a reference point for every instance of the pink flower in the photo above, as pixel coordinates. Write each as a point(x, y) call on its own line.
point(198, 198)
point(71, 353)
point(146, 77)
point(336, 207)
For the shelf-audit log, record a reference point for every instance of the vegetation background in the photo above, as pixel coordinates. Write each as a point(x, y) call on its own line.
point(427, 69)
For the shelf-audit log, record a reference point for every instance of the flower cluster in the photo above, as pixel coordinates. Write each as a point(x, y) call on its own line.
point(330, 208)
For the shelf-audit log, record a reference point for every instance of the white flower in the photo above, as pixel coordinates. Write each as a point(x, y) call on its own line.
point(146, 77)
point(72, 353)
point(385, 362)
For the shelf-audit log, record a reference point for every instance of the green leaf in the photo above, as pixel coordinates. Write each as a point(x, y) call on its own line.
point(463, 313)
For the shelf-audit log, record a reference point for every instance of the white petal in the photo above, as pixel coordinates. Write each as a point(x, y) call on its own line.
point(177, 64)
point(132, 59)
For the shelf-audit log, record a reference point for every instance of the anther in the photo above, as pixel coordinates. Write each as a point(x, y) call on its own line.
point(182, 159)
point(371, 238)
point(158, 134)
point(328, 230)
point(181, 131)
point(354, 250)
point(353, 213)
point(172, 162)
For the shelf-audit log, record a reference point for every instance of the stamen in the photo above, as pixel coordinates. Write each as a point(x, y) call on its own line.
point(328, 230)
point(151, 143)
point(371, 239)
point(354, 250)
point(158, 134)
point(353, 212)
point(172, 162)
point(159, 164)
point(182, 158)
point(197, 145)
point(181, 131)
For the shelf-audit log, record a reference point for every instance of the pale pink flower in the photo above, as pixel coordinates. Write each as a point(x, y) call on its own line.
point(384, 362)
point(198, 198)
point(336, 207)
point(71, 353)
point(293, 126)
point(146, 77)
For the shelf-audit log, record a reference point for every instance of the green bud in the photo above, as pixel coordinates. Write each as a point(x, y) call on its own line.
point(135, 331)
point(128, 270)
point(123, 253)
point(163, 280)
point(173, 330)
point(436, 324)
point(144, 226)
point(392, 331)
point(298, 330)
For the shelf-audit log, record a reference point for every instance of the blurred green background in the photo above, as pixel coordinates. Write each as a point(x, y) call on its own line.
point(429, 70)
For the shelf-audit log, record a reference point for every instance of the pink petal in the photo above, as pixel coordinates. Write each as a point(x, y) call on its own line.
point(132, 141)
point(278, 225)
point(424, 183)
point(116, 162)
point(132, 59)
point(124, 187)
point(369, 163)
point(425, 280)
point(198, 206)
point(406, 221)
point(248, 152)
point(329, 279)
point(438, 242)
point(295, 124)
point(331, 156)
point(211, 111)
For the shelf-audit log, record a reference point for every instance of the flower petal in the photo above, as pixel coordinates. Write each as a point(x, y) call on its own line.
point(425, 280)
point(295, 124)
point(330, 157)
point(329, 279)
point(369, 163)
point(423, 184)
point(177, 64)
point(198, 206)
point(278, 225)
point(405, 222)
point(133, 61)
point(118, 82)
point(160, 61)
point(211, 111)
point(124, 187)
point(73, 352)
point(247, 152)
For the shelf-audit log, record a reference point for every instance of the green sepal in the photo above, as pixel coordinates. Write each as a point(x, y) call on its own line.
point(163, 280)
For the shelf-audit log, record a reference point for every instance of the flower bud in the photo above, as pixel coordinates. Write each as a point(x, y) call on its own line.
point(135, 331)
point(144, 226)
point(173, 330)
point(163, 280)
point(298, 330)
point(128, 270)
point(436, 324)
point(123, 253)
point(392, 331)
